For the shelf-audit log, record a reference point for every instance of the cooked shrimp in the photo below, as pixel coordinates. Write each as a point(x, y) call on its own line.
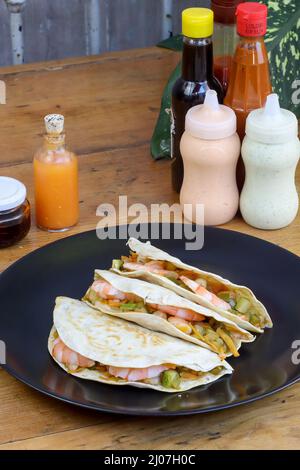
point(181, 325)
point(162, 315)
point(107, 292)
point(70, 358)
point(136, 375)
point(205, 294)
point(156, 267)
point(184, 313)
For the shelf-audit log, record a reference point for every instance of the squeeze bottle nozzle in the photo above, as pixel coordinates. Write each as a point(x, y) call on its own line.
point(211, 120)
point(272, 107)
point(272, 124)
point(211, 100)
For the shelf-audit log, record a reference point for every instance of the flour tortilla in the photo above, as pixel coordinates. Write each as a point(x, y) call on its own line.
point(146, 250)
point(115, 342)
point(155, 294)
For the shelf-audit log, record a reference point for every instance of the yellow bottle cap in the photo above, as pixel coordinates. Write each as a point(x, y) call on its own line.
point(197, 23)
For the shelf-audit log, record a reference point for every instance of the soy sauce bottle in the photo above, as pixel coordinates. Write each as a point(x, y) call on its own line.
point(197, 77)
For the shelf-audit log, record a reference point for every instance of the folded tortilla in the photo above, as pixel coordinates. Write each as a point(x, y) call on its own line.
point(154, 294)
point(148, 251)
point(112, 342)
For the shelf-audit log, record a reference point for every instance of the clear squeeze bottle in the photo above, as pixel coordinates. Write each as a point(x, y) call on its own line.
point(210, 149)
point(270, 151)
point(197, 77)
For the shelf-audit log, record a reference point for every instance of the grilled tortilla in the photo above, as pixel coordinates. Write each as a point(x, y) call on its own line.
point(117, 348)
point(150, 305)
point(232, 301)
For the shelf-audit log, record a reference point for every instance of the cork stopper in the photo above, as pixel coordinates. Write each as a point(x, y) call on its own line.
point(54, 123)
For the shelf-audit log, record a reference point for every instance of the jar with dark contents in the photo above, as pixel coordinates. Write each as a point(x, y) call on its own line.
point(15, 217)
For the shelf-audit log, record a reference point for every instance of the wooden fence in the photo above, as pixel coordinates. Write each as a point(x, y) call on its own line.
point(54, 29)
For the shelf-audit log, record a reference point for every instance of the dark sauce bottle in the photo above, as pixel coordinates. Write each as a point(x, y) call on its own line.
point(197, 77)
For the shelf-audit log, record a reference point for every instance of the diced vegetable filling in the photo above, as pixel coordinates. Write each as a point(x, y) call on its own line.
point(207, 330)
point(167, 375)
point(212, 290)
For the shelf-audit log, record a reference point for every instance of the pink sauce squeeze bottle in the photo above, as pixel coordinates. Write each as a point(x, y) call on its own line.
point(210, 149)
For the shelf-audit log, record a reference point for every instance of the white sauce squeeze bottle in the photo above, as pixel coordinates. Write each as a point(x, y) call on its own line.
point(270, 151)
point(210, 149)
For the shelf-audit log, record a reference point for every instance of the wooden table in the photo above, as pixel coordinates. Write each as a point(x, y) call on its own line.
point(111, 104)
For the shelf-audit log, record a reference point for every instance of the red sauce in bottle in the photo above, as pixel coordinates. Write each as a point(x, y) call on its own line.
point(225, 38)
point(250, 82)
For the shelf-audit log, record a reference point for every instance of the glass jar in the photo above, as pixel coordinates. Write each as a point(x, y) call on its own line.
point(15, 217)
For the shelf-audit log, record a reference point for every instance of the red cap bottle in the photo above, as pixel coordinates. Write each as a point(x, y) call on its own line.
point(251, 19)
point(250, 81)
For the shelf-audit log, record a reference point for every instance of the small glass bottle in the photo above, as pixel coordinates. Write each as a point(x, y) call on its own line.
point(225, 38)
point(14, 212)
point(196, 79)
point(56, 180)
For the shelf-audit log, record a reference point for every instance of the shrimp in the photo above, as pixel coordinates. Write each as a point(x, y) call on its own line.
point(205, 294)
point(156, 267)
point(136, 375)
point(159, 314)
point(70, 358)
point(181, 325)
point(107, 292)
point(183, 313)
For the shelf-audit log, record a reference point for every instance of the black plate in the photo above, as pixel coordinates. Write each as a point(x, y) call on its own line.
point(29, 287)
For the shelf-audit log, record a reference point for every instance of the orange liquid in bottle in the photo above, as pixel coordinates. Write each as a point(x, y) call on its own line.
point(56, 194)
point(56, 185)
point(249, 85)
point(250, 82)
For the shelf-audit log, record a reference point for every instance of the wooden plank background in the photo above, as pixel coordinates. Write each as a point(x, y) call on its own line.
point(57, 29)
point(5, 43)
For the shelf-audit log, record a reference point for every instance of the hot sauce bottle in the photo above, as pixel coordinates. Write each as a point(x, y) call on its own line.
point(56, 180)
point(249, 83)
point(225, 38)
point(197, 77)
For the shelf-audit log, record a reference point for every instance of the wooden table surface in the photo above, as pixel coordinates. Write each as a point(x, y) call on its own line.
point(111, 104)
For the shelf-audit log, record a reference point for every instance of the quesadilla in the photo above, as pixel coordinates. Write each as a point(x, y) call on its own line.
point(232, 301)
point(94, 346)
point(160, 309)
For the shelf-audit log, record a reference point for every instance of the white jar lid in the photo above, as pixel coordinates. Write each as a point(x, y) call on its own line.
point(211, 121)
point(12, 193)
point(272, 124)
